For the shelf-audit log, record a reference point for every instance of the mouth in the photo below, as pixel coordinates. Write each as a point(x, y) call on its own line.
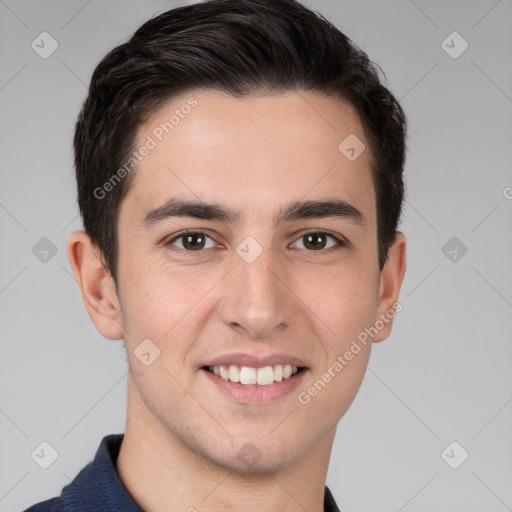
point(256, 379)
point(250, 376)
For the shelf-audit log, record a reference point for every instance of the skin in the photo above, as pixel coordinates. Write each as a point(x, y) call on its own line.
point(254, 155)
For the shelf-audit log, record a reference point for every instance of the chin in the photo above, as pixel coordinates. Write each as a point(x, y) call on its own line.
point(263, 465)
point(248, 457)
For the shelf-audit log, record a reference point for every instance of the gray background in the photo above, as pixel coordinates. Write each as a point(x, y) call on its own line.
point(443, 375)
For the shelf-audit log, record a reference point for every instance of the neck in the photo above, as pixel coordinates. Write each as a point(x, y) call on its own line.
point(163, 473)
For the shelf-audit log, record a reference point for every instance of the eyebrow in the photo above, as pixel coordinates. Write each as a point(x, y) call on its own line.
point(337, 208)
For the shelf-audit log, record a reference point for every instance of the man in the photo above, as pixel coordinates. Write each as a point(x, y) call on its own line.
point(239, 170)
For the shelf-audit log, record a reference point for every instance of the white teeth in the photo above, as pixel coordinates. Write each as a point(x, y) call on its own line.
point(265, 376)
point(261, 376)
point(234, 373)
point(224, 372)
point(247, 375)
point(278, 372)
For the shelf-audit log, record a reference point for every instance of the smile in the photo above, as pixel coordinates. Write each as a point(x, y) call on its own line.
point(247, 375)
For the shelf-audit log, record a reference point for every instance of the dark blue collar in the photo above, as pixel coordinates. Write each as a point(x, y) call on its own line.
point(98, 487)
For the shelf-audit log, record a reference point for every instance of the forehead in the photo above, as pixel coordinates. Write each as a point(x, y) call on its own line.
point(253, 153)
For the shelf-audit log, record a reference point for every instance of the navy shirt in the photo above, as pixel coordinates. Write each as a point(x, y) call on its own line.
point(98, 488)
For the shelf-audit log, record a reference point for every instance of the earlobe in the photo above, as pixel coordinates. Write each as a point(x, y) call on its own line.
point(391, 279)
point(96, 285)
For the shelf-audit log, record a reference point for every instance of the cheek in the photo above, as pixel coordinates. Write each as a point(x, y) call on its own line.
point(342, 297)
point(159, 298)
point(150, 298)
point(344, 301)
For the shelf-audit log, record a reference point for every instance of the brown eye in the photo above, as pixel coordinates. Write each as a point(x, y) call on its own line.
point(315, 241)
point(319, 240)
point(193, 241)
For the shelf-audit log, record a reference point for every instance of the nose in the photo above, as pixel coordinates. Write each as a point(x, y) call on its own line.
point(257, 301)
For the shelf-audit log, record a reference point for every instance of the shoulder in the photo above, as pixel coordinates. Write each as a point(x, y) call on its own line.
point(95, 487)
point(51, 505)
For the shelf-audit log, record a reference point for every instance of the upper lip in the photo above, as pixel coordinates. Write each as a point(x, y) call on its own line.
point(253, 361)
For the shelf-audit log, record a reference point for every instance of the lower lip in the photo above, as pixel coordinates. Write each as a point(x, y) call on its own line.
point(253, 393)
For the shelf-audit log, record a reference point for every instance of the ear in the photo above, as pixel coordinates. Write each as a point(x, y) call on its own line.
point(391, 278)
point(96, 285)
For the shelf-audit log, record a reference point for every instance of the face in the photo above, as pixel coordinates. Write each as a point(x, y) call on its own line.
point(256, 283)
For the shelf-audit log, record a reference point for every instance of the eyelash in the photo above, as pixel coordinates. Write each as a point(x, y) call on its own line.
point(339, 242)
